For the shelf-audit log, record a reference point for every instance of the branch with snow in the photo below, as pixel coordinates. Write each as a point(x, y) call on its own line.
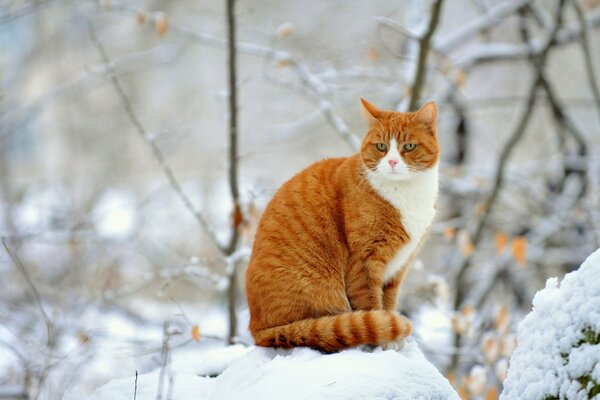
point(156, 152)
point(316, 86)
point(558, 355)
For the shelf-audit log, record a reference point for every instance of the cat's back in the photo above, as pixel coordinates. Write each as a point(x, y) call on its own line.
point(303, 219)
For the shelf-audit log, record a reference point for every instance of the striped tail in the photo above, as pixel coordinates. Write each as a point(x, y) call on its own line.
point(375, 327)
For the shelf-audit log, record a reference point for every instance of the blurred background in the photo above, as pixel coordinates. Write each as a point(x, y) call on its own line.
point(134, 167)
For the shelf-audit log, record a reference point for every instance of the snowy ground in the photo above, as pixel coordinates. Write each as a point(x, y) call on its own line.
point(302, 373)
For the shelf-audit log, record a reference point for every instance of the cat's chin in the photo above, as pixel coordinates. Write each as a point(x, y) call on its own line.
point(390, 176)
point(396, 177)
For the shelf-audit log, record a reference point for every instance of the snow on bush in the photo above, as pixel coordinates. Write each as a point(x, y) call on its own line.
point(558, 352)
point(302, 373)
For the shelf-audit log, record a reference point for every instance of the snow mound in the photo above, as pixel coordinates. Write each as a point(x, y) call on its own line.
point(558, 352)
point(302, 373)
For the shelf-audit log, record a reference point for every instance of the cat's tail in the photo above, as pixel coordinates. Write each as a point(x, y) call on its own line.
point(375, 327)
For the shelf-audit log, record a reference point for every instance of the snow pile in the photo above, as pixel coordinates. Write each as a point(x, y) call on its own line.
point(302, 373)
point(558, 355)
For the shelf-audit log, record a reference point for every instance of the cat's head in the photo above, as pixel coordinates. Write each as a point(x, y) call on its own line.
point(398, 145)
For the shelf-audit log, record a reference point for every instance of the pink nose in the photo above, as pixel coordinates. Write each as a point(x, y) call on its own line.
point(393, 162)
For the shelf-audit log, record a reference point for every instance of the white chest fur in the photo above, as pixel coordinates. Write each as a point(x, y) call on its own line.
point(414, 199)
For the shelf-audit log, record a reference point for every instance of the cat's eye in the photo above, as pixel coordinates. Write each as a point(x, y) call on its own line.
point(381, 146)
point(409, 147)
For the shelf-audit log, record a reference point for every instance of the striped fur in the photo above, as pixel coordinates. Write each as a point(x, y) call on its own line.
point(334, 244)
point(337, 332)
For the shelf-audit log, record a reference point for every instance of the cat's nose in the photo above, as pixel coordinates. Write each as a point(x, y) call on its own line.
point(393, 162)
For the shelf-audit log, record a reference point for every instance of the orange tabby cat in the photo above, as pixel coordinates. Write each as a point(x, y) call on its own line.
point(335, 242)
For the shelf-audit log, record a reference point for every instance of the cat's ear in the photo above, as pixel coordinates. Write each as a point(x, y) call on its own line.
point(370, 109)
point(427, 114)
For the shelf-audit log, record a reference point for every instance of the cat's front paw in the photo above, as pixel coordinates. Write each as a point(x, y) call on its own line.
point(395, 345)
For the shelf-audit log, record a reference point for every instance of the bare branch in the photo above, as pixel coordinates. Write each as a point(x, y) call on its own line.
point(492, 16)
point(36, 294)
point(587, 56)
point(236, 218)
point(424, 47)
point(539, 60)
point(156, 152)
point(310, 80)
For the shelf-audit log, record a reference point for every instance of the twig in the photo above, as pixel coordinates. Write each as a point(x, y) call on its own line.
point(539, 63)
point(585, 47)
point(237, 217)
point(130, 62)
point(23, 11)
point(233, 127)
point(165, 364)
point(492, 16)
point(157, 153)
point(310, 80)
point(135, 387)
point(424, 46)
point(36, 294)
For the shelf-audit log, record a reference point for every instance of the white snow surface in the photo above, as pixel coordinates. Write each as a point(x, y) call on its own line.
point(301, 373)
point(560, 314)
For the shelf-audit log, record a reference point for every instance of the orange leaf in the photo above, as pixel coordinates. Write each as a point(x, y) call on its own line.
point(372, 54)
point(519, 250)
point(491, 394)
point(160, 23)
point(196, 333)
point(501, 240)
point(461, 79)
point(462, 392)
point(502, 320)
point(449, 233)
point(284, 30)
point(467, 310)
point(282, 63)
point(464, 241)
point(451, 378)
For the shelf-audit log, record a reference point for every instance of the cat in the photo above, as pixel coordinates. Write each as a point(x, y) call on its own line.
point(333, 245)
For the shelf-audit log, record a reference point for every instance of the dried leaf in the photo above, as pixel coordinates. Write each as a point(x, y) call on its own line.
point(83, 338)
point(284, 30)
point(519, 250)
point(501, 241)
point(509, 344)
point(459, 323)
point(468, 310)
point(372, 54)
point(196, 333)
point(481, 208)
point(501, 369)
point(491, 349)
point(491, 393)
point(450, 233)
point(160, 23)
point(477, 380)
point(141, 17)
point(502, 319)
point(451, 378)
point(464, 241)
point(462, 392)
point(461, 79)
point(282, 63)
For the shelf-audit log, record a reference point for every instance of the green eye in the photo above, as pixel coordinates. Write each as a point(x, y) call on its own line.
point(409, 147)
point(381, 146)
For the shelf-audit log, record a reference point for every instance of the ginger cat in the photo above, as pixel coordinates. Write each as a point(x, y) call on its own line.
point(336, 240)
